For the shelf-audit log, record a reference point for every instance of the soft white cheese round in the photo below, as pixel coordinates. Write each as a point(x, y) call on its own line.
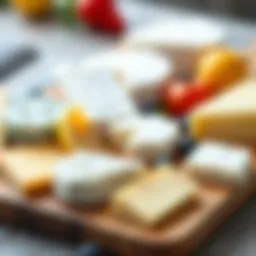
point(87, 177)
point(140, 72)
point(179, 39)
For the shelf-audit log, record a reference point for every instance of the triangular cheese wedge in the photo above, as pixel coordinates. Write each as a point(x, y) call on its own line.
point(229, 117)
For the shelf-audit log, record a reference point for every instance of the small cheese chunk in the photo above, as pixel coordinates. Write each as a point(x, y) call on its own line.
point(30, 169)
point(154, 198)
point(221, 163)
point(87, 177)
point(141, 72)
point(228, 117)
point(148, 137)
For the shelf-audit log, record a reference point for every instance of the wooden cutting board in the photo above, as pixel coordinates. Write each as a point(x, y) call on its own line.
point(178, 236)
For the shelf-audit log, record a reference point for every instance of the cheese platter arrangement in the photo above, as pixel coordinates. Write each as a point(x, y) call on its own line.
point(125, 151)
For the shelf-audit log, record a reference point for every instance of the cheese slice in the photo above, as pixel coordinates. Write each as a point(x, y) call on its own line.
point(87, 177)
point(141, 73)
point(221, 163)
point(30, 169)
point(228, 117)
point(154, 198)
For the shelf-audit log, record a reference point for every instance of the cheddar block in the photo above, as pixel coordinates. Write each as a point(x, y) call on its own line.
point(180, 40)
point(30, 169)
point(153, 199)
point(148, 137)
point(228, 117)
point(221, 163)
point(98, 95)
point(88, 178)
point(141, 73)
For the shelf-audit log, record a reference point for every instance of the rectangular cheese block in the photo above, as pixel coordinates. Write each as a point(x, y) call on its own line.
point(30, 169)
point(228, 117)
point(221, 163)
point(91, 177)
point(154, 198)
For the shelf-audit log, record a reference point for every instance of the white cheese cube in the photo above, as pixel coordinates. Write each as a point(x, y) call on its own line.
point(221, 163)
point(147, 137)
point(92, 178)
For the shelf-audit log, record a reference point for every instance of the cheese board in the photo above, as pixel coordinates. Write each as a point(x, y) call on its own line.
point(179, 235)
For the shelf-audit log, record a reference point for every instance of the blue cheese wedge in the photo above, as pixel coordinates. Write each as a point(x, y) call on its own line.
point(95, 178)
point(141, 73)
point(147, 137)
point(31, 120)
point(154, 198)
point(221, 163)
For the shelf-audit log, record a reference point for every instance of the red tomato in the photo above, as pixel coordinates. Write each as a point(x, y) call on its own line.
point(100, 14)
point(179, 98)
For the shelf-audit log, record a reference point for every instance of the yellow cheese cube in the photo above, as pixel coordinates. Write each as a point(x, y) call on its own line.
point(154, 198)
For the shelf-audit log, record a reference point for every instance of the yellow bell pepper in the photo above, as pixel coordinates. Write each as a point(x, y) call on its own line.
point(32, 8)
point(220, 68)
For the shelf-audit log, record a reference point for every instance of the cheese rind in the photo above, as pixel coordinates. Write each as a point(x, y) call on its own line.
point(228, 117)
point(87, 177)
point(154, 198)
point(221, 163)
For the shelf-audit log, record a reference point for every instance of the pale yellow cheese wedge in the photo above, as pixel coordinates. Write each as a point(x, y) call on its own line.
point(30, 169)
point(228, 117)
point(154, 197)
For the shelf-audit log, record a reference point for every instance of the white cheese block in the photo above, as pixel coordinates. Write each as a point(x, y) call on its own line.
point(221, 163)
point(181, 40)
point(98, 94)
point(148, 137)
point(92, 178)
point(141, 72)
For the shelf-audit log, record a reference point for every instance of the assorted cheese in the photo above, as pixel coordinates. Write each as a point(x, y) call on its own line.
point(88, 177)
point(30, 169)
point(153, 199)
point(141, 73)
point(222, 163)
point(228, 117)
point(147, 137)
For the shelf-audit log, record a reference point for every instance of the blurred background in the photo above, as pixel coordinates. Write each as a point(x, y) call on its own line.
point(50, 42)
